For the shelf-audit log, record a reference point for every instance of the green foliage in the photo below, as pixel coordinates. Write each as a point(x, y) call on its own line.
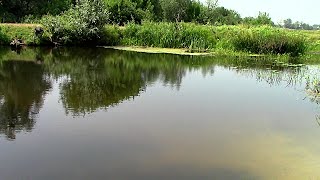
point(269, 40)
point(262, 19)
point(82, 23)
point(16, 10)
point(25, 33)
point(259, 40)
point(111, 35)
point(256, 40)
point(175, 10)
point(314, 39)
point(219, 16)
point(124, 11)
point(288, 23)
point(169, 35)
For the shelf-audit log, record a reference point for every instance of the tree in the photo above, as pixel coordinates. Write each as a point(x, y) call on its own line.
point(212, 4)
point(219, 16)
point(124, 11)
point(262, 19)
point(175, 10)
point(194, 11)
point(287, 23)
point(16, 10)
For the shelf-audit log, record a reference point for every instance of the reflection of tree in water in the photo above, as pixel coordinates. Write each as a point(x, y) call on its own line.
point(99, 78)
point(22, 87)
point(91, 79)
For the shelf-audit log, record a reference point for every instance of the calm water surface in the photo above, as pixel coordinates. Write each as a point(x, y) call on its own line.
point(101, 114)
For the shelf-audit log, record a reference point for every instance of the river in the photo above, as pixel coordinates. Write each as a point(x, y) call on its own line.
point(94, 113)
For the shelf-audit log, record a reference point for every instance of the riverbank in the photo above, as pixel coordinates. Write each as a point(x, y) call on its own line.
point(184, 38)
point(25, 32)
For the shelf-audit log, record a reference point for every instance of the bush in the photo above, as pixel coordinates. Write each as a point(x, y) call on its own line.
point(82, 23)
point(111, 35)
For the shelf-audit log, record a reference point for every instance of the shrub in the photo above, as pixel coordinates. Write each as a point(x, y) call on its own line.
point(111, 35)
point(82, 23)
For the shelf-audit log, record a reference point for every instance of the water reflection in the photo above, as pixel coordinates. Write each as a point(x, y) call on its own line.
point(92, 79)
point(104, 114)
point(99, 78)
point(22, 89)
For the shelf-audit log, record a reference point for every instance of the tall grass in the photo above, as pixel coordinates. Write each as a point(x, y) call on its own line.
point(199, 38)
point(256, 40)
point(314, 38)
point(169, 35)
point(269, 40)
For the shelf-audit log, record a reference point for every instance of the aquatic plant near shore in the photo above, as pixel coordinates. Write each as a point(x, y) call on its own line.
point(313, 84)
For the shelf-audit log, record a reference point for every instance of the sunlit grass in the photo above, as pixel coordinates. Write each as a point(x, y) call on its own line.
point(204, 38)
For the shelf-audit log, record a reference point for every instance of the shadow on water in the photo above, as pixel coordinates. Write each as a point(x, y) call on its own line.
point(92, 79)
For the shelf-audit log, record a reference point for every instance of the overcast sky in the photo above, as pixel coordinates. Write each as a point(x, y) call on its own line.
point(298, 10)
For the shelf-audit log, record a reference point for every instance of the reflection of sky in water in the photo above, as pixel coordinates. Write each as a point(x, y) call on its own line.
point(223, 126)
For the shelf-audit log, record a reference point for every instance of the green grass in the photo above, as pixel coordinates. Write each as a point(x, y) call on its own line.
point(21, 31)
point(314, 39)
point(232, 40)
point(169, 35)
point(203, 38)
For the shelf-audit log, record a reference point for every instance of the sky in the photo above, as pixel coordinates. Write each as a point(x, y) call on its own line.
point(307, 11)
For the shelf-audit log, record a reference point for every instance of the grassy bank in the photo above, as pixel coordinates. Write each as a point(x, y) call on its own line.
point(21, 31)
point(189, 36)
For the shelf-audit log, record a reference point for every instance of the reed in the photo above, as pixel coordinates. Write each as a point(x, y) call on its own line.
point(254, 40)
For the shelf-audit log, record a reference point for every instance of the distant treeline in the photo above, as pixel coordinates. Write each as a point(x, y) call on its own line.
point(288, 23)
point(124, 11)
